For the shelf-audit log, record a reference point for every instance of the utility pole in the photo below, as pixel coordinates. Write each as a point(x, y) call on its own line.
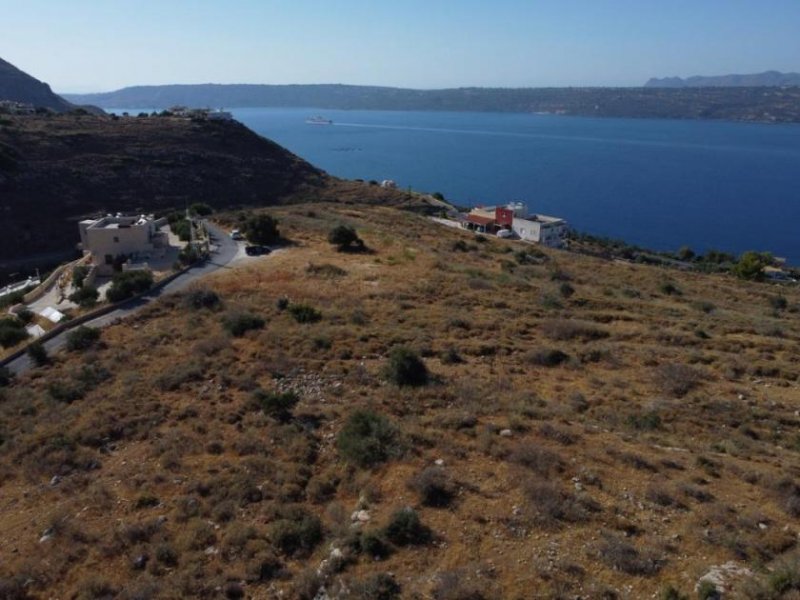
point(191, 229)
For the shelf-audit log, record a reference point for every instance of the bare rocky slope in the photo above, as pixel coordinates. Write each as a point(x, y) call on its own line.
point(587, 429)
point(56, 169)
point(18, 86)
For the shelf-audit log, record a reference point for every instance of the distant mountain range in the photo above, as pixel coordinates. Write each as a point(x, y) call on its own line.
point(18, 86)
point(736, 104)
point(766, 79)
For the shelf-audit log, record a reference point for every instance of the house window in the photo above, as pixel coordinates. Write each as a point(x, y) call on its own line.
point(116, 239)
point(109, 259)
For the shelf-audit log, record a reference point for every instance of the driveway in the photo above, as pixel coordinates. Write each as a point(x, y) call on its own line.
point(224, 250)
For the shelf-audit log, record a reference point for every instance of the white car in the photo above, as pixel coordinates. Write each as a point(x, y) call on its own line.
point(236, 235)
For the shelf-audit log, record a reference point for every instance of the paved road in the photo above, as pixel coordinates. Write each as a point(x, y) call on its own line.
point(227, 250)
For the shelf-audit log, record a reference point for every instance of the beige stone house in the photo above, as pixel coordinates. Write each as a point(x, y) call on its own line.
point(135, 238)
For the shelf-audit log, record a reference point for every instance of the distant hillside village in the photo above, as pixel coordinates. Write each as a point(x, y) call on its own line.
point(184, 112)
point(10, 107)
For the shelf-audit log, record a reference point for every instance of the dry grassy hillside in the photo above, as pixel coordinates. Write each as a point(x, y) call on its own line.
point(589, 429)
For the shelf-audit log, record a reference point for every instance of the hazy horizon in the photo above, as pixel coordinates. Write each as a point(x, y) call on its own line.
point(328, 83)
point(84, 46)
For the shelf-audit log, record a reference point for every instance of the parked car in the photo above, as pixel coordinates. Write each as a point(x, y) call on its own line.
point(236, 235)
point(256, 250)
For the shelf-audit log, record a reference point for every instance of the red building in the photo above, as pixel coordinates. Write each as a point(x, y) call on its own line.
point(504, 216)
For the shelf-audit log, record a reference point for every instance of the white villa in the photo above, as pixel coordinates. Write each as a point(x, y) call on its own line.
point(133, 237)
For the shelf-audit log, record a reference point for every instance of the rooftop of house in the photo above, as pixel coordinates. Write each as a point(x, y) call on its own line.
point(482, 213)
point(117, 222)
point(545, 219)
point(480, 220)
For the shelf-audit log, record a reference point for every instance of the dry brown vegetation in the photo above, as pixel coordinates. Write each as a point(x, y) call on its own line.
point(569, 443)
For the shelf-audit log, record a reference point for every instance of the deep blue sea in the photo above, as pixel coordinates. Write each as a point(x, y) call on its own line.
point(656, 183)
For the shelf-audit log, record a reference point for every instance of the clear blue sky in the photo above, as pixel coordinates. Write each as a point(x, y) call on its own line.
point(99, 45)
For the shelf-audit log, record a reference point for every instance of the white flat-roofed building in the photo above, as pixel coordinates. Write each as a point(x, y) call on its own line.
point(548, 231)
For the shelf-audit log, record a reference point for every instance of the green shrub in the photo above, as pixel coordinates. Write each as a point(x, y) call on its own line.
point(85, 296)
point(406, 368)
point(14, 298)
point(451, 357)
point(367, 439)
point(82, 382)
point(239, 323)
point(547, 358)
point(670, 289)
point(434, 486)
point(345, 238)
point(166, 555)
point(6, 376)
point(66, 391)
point(180, 226)
point(303, 313)
point(201, 209)
point(672, 593)
point(322, 343)
point(295, 532)
point(707, 591)
point(778, 302)
point(127, 284)
point(92, 375)
point(12, 332)
point(462, 246)
point(82, 338)
point(620, 555)
point(146, 501)
point(79, 274)
point(189, 255)
point(38, 354)
point(261, 229)
point(325, 270)
point(531, 256)
point(178, 374)
point(677, 379)
point(374, 545)
point(750, 265)
point(550, 302)
point(406, 529)
point(648, 421)
point(276, 404)
point(201, 298)
point(379, 586)
point(716, 257)
point(568, 329)
point(26, 316)
point(704, 305)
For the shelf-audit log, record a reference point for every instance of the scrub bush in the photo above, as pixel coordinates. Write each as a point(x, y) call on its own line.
point(406, 368)
point(368, 439)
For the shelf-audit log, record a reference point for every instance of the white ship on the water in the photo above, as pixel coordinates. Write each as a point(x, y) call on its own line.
point(318, 121)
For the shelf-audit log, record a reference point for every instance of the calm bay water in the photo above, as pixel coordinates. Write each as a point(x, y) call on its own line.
point(657, 183)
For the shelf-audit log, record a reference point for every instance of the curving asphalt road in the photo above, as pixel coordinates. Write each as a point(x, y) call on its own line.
point(227, 249)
